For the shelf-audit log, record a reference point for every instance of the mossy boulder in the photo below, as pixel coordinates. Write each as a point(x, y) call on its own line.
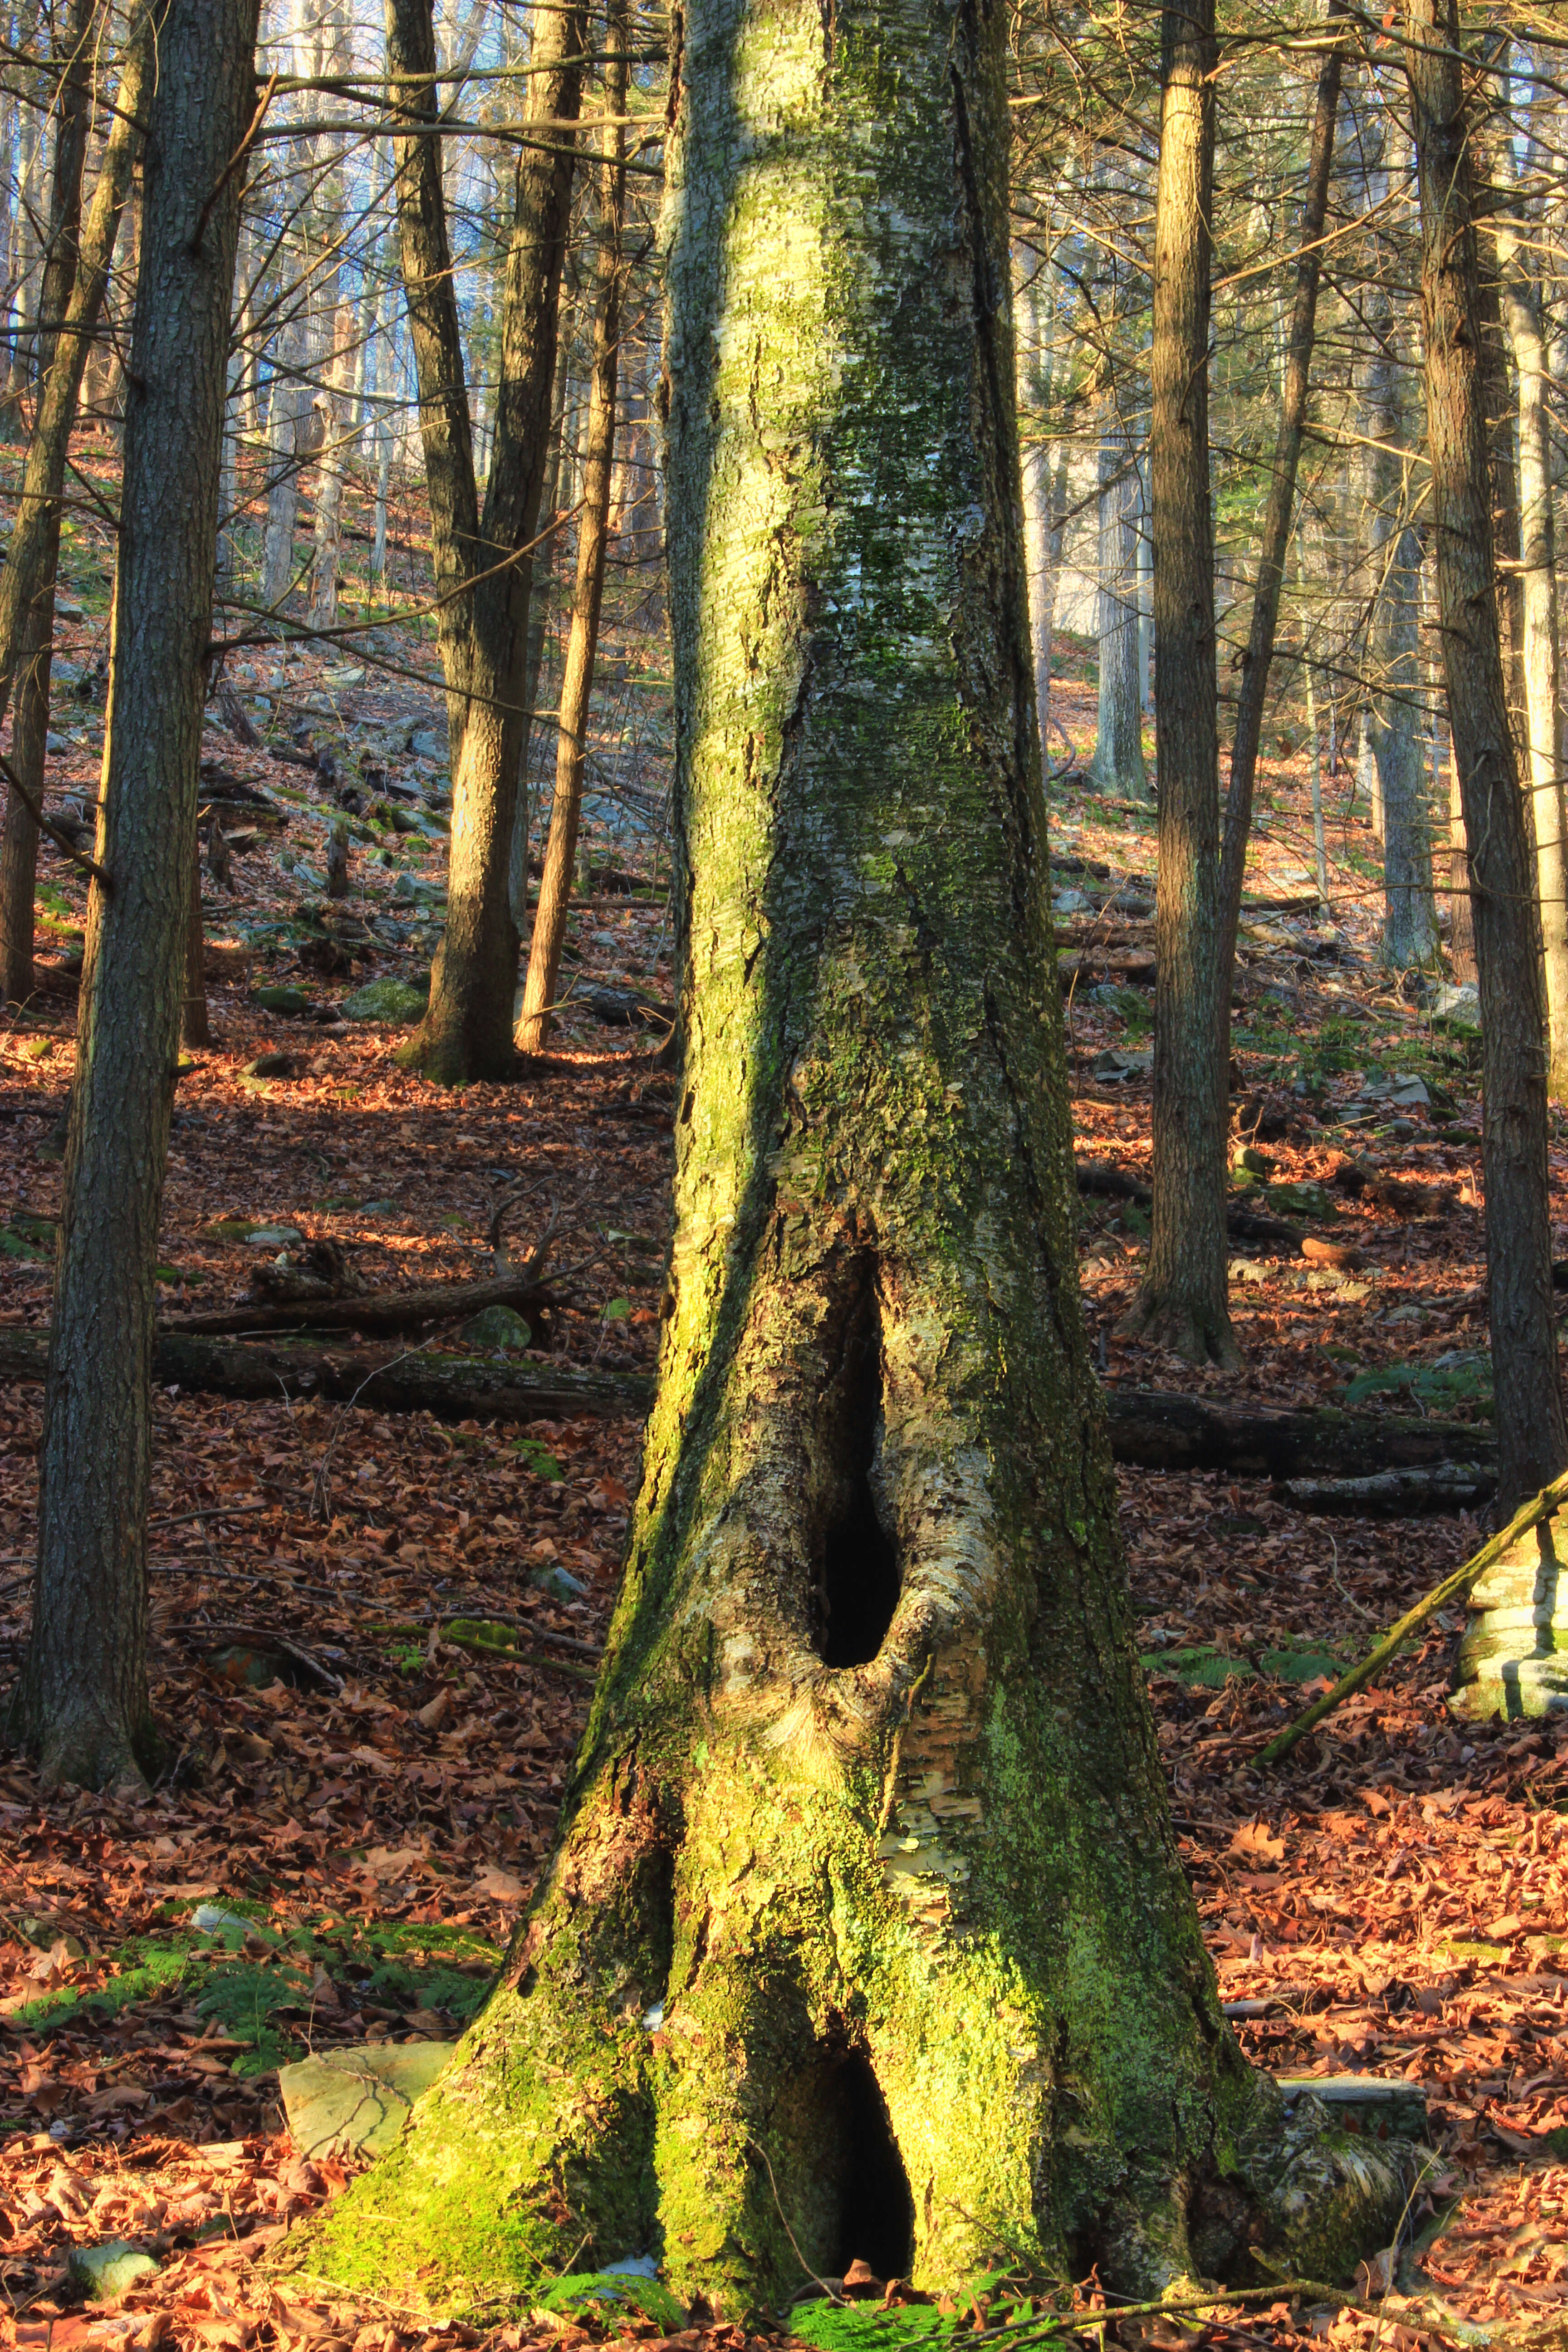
point(390, 1001)
point(497, 1327)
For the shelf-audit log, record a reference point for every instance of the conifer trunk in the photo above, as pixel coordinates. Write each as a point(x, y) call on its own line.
point(865, 1932)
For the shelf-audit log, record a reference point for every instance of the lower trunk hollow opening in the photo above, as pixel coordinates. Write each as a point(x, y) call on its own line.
point(857, 1585)
point(876, 2218)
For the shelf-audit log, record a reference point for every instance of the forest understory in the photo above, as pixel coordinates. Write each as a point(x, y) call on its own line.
point(362, 1777)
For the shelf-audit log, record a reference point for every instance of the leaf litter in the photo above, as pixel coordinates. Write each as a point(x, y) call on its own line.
point(341, 1858)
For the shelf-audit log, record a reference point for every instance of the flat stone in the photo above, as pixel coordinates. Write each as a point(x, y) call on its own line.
point(356, 2102)
point(272, 1237)
point(1373, 2105)
point(104, 2272)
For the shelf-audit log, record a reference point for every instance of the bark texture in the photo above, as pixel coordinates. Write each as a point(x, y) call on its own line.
point(865, 1930)
point(1118, 764)
point(83, 1695)
point(1184, 1303)
point(1532, 1438)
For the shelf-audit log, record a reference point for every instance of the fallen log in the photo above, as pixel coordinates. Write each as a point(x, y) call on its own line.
point(453, 1387)
point(374, 1310)
point(1151, 1429)
point(1160, 1430)
point(1241, 1222)
point(1430, 1487)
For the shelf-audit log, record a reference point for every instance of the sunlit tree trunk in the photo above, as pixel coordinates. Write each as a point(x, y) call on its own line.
point(865, 1932)
point(1183, 1304)
point(467, 1032)
point(83, 1698)
point(1295, 384)
point(1521, 317)
point(593, 539)
point(1532, 1437)
point(1034, 401)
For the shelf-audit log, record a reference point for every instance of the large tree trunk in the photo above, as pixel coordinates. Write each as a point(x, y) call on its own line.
point(467, 1033)
point(1033, 402)
point(865, 1932)
point(593, 535)
point(1184, 1303)
point(1276, 540)
point(81, 274)
point(1532, 1437)
point(83, 1696)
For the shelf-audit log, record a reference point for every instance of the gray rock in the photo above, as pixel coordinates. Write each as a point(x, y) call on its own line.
point(497, 1326)
point(273, 1237)
point(67, 609)
point(106, 2270)
point(56, 745)
point(391, 1000)
point(425, 744)
point(414, 888)
point(558, 1582)
point(356, 2102)
point(1071, 902)
point(1457, 1008)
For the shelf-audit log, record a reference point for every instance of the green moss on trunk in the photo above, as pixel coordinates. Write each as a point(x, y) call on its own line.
point(867, 1932)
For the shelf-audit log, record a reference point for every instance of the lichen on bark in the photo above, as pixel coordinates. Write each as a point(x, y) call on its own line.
point(866, 1931)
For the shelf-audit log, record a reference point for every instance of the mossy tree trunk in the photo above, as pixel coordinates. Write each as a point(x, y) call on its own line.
point(865, 1932)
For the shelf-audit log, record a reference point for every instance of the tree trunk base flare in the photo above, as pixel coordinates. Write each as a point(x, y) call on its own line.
point(95, 1743)
point(1183, 1327)
point(865, 1931)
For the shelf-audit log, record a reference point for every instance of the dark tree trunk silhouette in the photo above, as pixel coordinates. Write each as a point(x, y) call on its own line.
point(1532, 1437)
point(1184, 1301)
point(83, 1701)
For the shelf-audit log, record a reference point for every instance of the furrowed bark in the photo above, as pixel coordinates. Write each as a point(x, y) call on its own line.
point(32, 550)
point(467, 1032)
point(82, 1701)
point(592, 533)
point(1276, 540)
point(865, 1930)
point(1531, 1433)
point(1183, 1304)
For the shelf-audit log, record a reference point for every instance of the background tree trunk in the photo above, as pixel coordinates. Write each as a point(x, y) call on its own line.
point(1295, 387)
point(83, 1696)
point(1532, 1436)
point(1184, 1303)
point(864, 1932)
point(593, 535)
point(467, 1033)
point(1118, 764)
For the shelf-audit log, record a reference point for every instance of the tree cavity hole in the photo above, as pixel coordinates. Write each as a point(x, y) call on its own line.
point(858, 1586)
point(876, 2219)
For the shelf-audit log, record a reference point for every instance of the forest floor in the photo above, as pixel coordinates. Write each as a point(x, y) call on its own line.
point(357, 1805)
